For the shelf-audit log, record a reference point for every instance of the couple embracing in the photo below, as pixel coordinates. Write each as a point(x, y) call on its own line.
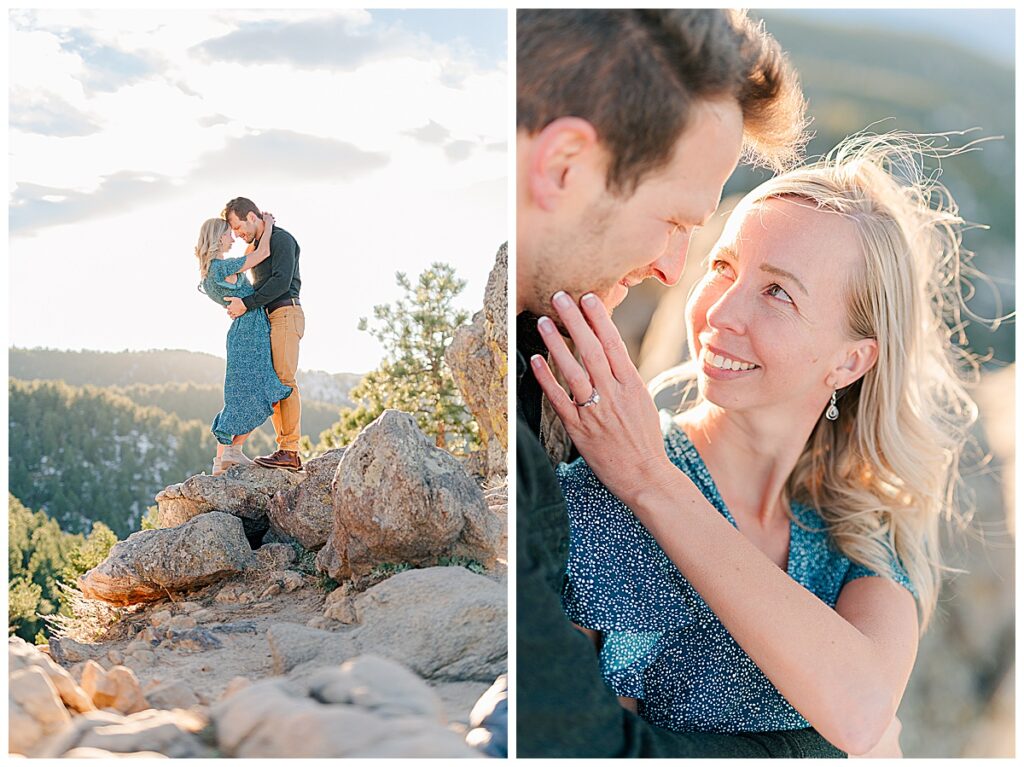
point(267, 323)
point(749, 575)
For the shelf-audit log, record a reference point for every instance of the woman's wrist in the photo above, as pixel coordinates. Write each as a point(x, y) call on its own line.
point(656, 483)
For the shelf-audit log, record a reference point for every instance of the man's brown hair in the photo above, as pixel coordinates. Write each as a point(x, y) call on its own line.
point(241, 207)
point(634, 74)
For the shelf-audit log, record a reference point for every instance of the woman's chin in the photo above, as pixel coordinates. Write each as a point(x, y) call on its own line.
point(723, 393)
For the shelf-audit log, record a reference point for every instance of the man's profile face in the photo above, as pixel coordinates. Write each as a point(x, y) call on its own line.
point(618, 241)
point(244, 228)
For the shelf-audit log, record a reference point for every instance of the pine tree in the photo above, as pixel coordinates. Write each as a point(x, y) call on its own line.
point(414, 333)
point(38, 556)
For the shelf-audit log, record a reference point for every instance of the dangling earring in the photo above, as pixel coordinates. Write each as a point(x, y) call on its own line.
point(833, 412)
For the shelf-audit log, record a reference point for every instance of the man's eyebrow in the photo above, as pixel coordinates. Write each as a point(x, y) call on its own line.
point(783, 273)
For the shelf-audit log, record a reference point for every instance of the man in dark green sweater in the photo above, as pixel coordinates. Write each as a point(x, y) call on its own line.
point(629, 124)
point(276, 282)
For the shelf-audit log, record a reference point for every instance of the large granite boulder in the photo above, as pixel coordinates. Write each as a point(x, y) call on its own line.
point(444, 623)
point(366, 707)
point(150, 733)
point(304, 512)
point(149, 564)
point(399, 499)
point(22, 655)
point(478, 359)
point(244, 491)
point(117, 688)
point(953, 705)
point(294, 646)
point(35, 710)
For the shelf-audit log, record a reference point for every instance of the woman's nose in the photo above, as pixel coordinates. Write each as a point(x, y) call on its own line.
point(730, 311)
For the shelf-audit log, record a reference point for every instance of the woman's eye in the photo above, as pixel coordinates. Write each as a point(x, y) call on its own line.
point(776, 291)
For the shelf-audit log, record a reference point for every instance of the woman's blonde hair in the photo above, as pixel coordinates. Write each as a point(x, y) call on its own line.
point(208, 247)
point(887, 471)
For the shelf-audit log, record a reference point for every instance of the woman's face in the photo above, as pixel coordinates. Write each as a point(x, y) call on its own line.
point(226, 241)
point(767, 322)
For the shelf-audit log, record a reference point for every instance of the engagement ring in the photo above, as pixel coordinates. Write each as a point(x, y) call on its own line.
point(593, 399)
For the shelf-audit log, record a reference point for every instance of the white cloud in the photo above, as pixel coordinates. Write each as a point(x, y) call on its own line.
point(333, 41)
point(360, 165)
point(286, 155)
point(431, 133)
point(48, 114)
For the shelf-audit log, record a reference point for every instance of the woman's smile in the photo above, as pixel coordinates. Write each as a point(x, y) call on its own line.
point(724, 367)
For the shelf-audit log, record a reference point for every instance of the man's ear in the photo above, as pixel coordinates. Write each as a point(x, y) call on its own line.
point(861, 358)
point(564, 149)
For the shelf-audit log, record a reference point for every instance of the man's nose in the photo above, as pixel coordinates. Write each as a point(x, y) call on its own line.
point(669, 266)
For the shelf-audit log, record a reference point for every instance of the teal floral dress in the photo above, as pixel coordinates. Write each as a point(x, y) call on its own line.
point(251, 387)
point(662, 644)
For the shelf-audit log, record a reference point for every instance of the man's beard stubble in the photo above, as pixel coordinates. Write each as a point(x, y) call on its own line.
point(572, 249)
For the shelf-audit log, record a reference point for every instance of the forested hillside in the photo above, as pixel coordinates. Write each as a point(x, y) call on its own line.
point(161, 367)
point(40, 556)
point(95, 435)
point(84, 454)
point(202, 402)
point(79, 368)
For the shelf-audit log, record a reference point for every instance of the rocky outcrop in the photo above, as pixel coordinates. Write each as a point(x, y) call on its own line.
point(118, 688)
point(40, 723)
point(400, 618)
point(151, 564)
point(445, 626)
point(224, 609)
point(243, 491)
point(150, 733)
point(35, 710)
point(399, 499)
point(366, 707)
point(478, 359)
point(955, 704)
point(303, 513)
point(22, 655)
point(293, 646)
point(171, 695)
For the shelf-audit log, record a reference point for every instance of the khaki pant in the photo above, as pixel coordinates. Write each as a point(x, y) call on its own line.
point(287, 325)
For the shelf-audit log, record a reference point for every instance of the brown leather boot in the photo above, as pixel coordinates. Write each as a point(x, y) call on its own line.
point(282, 459)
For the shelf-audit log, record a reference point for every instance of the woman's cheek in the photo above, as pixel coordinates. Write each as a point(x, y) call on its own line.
point(703, 298)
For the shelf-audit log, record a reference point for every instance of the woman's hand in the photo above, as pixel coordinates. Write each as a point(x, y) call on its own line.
point(268, 219)
point(618, 432)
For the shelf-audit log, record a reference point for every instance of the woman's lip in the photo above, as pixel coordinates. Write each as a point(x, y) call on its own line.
point(720, 374)
point(726, 355)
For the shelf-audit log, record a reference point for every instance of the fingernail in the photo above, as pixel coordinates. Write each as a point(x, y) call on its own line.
point(545, 324)
point(590, 299)
point(561, 298)
point(536, 360)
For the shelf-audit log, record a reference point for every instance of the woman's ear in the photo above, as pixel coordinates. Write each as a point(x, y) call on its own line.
point(861, 357)
point(558, 153)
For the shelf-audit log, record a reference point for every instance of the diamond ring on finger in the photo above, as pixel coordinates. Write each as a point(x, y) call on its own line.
point(593, 399)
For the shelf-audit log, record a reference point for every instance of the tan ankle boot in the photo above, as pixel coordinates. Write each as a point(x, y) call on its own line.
point(230, 457)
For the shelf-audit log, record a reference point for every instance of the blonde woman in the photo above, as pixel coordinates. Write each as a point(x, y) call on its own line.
point(251, 387)
point(766, 559)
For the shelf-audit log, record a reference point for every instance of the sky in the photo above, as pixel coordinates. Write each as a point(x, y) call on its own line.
point(377, 138)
